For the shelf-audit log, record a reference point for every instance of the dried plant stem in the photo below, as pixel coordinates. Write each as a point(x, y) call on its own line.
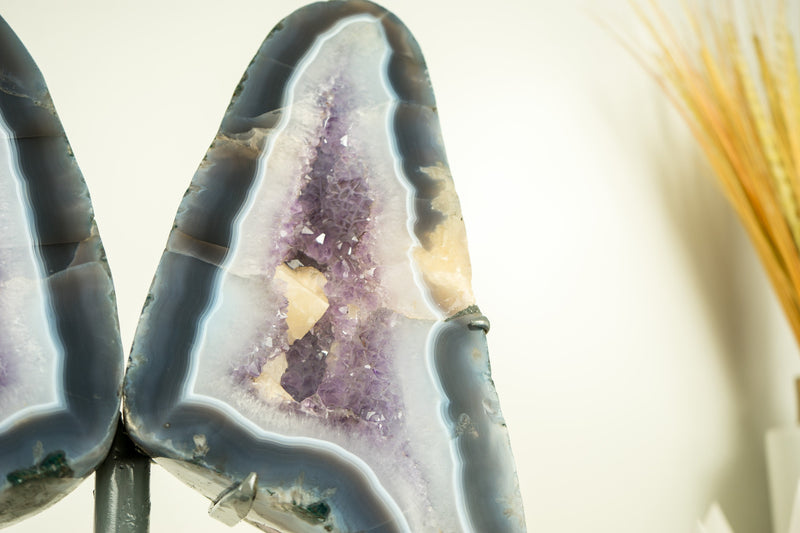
point(741, 99)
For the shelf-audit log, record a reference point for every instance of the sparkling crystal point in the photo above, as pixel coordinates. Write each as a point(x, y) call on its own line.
point(61, 359)
point(311, 323)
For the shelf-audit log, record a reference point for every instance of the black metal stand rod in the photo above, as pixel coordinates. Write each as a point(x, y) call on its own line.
point(122, 489)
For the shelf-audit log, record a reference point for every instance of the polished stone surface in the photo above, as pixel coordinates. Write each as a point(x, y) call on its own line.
point(61, 359)
point(310, 349)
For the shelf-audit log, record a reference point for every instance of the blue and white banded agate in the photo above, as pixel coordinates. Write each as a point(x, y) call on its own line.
point(61, 359)
point(311, 324)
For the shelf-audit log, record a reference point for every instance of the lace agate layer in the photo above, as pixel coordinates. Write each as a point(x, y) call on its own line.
point(61, 361)
point(311, 332)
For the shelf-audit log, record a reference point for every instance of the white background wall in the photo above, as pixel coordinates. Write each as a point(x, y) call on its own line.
point(637, 349)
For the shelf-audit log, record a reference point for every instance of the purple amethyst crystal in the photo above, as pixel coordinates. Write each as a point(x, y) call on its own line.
point(311, 322)
point(305, 361)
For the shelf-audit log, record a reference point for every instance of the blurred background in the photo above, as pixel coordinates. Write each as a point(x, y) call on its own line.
point(636, 345)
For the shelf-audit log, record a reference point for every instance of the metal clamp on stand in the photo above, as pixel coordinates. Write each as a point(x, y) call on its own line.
point(481, 322)
point(233, 505)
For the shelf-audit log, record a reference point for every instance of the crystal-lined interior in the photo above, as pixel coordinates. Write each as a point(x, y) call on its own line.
point(338, 362)
point(322, 257)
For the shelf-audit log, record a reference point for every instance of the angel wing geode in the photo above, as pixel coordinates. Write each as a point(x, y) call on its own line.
point(310, 355)
point(61, 359)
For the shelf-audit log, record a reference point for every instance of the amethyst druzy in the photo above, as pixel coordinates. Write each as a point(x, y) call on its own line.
point(311, 324)
point(61, 359)
point(330, 235)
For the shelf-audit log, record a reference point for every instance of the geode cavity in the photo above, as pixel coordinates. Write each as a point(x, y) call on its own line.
point(311, 324)
point(61, 360)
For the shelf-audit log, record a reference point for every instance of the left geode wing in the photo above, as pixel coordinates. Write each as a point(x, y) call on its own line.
point(310, 355)
point(60, 353)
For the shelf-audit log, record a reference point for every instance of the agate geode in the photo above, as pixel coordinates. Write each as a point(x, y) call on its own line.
point(310, 355)
point(61, 360)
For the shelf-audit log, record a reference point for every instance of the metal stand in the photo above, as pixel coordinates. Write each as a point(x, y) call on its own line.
point(122, 489)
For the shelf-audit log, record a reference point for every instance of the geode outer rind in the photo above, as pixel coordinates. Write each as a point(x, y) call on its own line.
point(311, 321)
point(61, 358)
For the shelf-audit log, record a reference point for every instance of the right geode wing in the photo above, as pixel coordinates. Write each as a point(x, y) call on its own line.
point(310, 352)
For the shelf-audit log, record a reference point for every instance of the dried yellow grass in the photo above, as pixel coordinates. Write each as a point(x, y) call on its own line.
point(739, 91)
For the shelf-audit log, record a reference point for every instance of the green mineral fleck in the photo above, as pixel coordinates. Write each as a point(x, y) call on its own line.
point(54, 465)
point(314, 513)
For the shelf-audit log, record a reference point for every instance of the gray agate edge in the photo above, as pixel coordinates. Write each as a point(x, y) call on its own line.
point(46, 450)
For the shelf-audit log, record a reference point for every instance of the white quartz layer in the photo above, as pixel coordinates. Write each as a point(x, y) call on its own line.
point(30, 359)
